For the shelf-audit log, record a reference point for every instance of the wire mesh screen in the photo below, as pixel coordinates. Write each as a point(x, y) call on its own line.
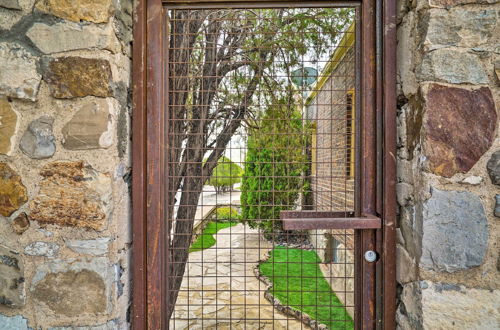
point(260, 119)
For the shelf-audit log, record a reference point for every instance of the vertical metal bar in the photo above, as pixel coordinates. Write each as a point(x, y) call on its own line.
point(155, 130)
point(139, 159)
point(368, 162)
point(389, 170)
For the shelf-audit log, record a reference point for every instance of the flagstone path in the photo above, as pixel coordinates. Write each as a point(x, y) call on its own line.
point(220, 290)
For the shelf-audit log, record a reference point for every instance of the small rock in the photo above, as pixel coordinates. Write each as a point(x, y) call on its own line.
point(43, 249)
point(38, 142)
point(8, 126)
point(70, 77)
point(493, 167)
point(473, 180)
point(452, 66)
point(97, 11)
point(63, 37)
point(19, 77)
point(21, 223)
point(13, 322)
point(455, 231)
point(13, 193)
point(406, 269)
point(10, 4)
point(96, 247)
point(497, 70)
point(90, 127)
point(11, 279)
point(497, 205)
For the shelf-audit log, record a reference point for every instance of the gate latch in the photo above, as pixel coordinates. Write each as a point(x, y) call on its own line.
point(371, 256)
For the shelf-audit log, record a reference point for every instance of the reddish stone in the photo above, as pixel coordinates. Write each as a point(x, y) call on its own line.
point(459, 127)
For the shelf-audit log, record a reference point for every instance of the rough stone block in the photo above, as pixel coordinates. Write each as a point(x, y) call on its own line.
point(13, 193)
point(19, 77)
point(44, 249)
point(452, 306)
point(90, 128)
point(96, 247)
point(73, 194)
point(459, 27)
point(10, 4)
point(38, 142)
point(459, 127)
point(13, 322)
point(12, 291)
point(70, 77)
point(74, 287)
point(63, 37)
point(406, 268)
point(455, 231)
point(97, 11)
point(452, 66)
point(493, 167)
point(8, 126)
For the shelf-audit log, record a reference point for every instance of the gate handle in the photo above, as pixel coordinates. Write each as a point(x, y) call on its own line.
point(306, 220)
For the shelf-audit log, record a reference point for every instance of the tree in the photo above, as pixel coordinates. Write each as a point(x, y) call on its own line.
point(275, 162)
point(225, 175)
point(222, 66)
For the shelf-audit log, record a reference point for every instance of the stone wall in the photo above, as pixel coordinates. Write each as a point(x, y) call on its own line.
point(64, 163)
point(448, 164)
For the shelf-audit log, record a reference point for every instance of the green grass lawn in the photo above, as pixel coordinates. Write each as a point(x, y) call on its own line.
point(207, 239)
point(299, 283)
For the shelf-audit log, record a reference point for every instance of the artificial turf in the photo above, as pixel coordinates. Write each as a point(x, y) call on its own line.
point(297, 281)
point(207, 239)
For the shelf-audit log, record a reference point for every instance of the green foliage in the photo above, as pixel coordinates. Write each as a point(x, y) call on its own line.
point(275, 161)
point(299, 283)
point(226, 213)
point(207, 239)
point(225, 175)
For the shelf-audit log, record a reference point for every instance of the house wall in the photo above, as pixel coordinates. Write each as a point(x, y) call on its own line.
point(332, 187)
point(64, 163)
point(448, 265)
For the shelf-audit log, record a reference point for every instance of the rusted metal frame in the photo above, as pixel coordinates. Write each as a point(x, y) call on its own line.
point(139, 163)
point(364, 222)
point(210, 4)
point(366, 272)
point(315, 214)
point(389, 44)
point(156, 233)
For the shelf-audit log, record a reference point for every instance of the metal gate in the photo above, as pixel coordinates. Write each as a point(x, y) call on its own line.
point(270, 169)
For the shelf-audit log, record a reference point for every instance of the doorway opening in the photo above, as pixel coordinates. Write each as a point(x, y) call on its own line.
point(261, 127)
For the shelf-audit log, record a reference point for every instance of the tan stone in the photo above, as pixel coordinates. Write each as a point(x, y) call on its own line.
point(68, 36)
point(19, 77)
point(70, 77)
point(11, 278)
point(90, 127)
point(8, 125)
point(72, 293)
point(97, 11)
point(72, 194)
point(13, 193)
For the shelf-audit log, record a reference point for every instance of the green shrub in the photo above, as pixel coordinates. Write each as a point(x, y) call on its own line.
point(225, 175)
point(226, 213)
point(275, 162)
